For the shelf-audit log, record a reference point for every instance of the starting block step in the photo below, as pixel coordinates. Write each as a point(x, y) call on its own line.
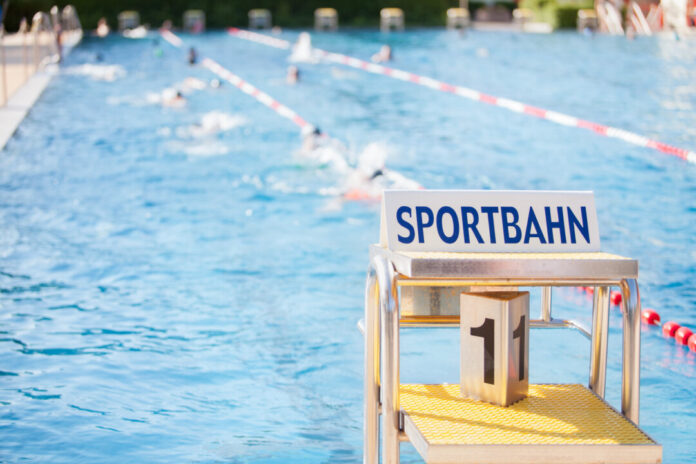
point(555, 423)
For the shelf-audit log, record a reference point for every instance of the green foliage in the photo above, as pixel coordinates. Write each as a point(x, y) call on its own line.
point(544, 10)
point(567, 14)
point(560, 14)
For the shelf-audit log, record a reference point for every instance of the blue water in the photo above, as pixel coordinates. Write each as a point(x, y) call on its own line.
point(166, 298)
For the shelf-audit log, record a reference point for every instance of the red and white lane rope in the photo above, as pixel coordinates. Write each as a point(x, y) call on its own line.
point(240, 83)
point(512, 105)
point(681, 334)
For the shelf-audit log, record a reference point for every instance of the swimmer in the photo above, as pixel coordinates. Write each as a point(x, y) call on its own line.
point(310, 138)
point(215, 84)
point(371, 177)
point(173, 98)
point(102, 28)
point(166, 25)
point(192, 56)
point(293, 75)
point(275, 30)
point(323, 150)
point(383, 55)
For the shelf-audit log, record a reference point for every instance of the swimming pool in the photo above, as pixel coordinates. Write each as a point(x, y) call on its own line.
point(171, 297)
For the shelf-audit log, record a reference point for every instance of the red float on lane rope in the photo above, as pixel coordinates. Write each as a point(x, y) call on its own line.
point(669, 328)
point(692, 343)
point(615, 298)
point(682, 335)
point(650, 316)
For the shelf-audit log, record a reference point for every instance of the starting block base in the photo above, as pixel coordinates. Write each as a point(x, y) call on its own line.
point(555, 423)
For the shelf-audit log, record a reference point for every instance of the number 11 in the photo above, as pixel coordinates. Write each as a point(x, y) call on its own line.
point(487, 332)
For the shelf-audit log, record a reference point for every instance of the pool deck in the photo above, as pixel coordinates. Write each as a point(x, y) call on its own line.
point(23, 87)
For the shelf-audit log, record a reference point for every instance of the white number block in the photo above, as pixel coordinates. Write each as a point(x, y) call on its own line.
point(495, 346)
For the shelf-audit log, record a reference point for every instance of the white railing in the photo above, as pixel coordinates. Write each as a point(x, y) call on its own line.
point(638, 20)
point(655, 17)
point(31, 48)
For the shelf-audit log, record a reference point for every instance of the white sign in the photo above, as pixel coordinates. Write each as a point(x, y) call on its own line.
point(489, 221)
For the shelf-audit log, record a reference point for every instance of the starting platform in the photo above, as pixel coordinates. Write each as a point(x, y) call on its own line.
point(555, 423)
point(415, 281)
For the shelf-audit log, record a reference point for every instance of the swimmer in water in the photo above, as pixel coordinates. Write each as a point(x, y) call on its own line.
point(173, 99)
point(371, 177)
point(215, 84)
point(310, 138)
point(192, 56)
point(323, 150)
point(293, 75)
point(383, 55)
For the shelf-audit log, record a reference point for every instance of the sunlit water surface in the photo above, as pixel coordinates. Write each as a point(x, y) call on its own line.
point(171, 297)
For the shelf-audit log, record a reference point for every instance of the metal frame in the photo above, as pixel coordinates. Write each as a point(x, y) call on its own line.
point(381, 330)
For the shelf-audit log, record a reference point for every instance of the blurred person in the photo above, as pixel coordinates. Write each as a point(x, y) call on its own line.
point(102, 28)
point(371, 177)
point(293, 75)
point(383, 55)
point(58, 31)
point(192, 56)
point(173, 98)
point(323, 150)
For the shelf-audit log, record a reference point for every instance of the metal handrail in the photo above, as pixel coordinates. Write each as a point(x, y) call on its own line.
point(3, 64)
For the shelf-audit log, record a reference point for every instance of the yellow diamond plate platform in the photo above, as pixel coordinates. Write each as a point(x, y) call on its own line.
point(554, 424)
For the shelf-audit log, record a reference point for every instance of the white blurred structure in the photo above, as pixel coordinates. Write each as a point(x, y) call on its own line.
point(259, 19)
point(194, 21)
point(128, 20)
point(325, 19)
point(458, 18)
point(391, 18)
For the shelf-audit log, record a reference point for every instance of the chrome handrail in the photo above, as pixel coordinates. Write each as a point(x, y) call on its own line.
point(630, 376)
point(3, 64)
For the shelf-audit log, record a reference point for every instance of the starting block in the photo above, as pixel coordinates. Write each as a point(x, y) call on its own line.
point(391, 19)
point(259, 18)
point(325, 19)
point(440, 248)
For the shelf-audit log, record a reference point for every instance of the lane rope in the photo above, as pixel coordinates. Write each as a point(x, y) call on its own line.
point(511, 105)
point(241, 84)
point(681, 334)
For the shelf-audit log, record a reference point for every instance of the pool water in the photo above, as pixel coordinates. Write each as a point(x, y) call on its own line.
point(172, 297)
